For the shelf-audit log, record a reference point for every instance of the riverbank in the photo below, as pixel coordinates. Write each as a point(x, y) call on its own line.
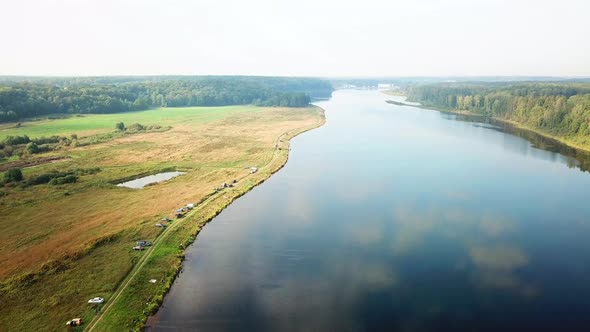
point(561, 140)
point(137, 299)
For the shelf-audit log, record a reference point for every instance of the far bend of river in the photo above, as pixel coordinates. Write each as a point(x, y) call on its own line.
point(394, 218)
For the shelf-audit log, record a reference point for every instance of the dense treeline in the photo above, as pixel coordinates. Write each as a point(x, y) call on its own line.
point(21, 98)
point(560, 109)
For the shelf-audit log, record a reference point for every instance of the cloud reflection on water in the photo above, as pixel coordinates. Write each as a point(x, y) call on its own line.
point(497, 268)
point(495, 263)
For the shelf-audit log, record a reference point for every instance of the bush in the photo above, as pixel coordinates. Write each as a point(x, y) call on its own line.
point(41, 179)
point(120, 126)
point(8, 151)
point(48, 140)
point(47, 177)
point(32, 148)
point(55, 178)
point(13, 175)
point(63, 180)
point(153, 127)
point(85, 171)
point(135, 128)
point(16, 140)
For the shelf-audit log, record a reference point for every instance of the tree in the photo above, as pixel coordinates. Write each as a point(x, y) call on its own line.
point(35, 97)
point(561, 109)
point(120, 126)
point(13, 175)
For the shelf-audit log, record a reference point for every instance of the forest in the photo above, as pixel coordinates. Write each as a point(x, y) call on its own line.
point(559, 109)
point(30, 97)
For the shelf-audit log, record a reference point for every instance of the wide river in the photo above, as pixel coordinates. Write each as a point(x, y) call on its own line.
point(396, 218)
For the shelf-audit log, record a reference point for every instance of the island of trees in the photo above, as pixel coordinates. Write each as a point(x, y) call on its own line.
point(561, 110)
point(28, 97)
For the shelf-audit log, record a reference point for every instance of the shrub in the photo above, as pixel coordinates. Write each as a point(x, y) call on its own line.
point(120, 126)
point(48, 140)
point(85, 171)
point(32, 148)
point(135, 128)
point(64, 180)
point(153, 127)
point(13, 175)
point(41, 179)
point(16, 140)
point(47, 177)
point(8, 151)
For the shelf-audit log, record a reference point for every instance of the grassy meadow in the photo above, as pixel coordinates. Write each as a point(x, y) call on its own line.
point(89, 124)
point(64, 244)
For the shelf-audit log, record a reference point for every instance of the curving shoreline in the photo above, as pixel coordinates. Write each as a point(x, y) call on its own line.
point(187, 229)
point(513, 125)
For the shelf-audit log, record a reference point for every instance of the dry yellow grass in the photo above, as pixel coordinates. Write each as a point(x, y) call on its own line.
point(42, 223)
point(47, 223)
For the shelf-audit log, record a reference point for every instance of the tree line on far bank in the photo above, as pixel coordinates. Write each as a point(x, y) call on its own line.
point(28, 98)
point(560, 109)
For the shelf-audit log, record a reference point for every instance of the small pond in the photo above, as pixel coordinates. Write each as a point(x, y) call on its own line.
point(146, 180)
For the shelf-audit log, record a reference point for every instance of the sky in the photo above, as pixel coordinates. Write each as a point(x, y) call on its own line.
point(331, 38)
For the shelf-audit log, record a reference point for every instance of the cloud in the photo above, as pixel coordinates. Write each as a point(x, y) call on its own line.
point(302, 38)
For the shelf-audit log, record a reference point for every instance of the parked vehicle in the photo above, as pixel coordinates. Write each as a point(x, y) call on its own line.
point(74, 322)
point(96, 300)
point(143, 243)
point(138, 248)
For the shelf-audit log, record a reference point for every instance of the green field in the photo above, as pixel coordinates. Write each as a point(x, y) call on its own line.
point(100, 123)
point(63, 244)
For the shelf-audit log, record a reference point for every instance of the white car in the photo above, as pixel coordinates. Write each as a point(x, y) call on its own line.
point(96, 300)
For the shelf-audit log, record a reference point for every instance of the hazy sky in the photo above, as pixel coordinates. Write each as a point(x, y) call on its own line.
point(297, 37)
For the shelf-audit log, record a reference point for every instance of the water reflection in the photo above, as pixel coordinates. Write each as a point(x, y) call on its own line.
point(395, 220)
point(497, 266)
point(494, 226)
point(574, 158)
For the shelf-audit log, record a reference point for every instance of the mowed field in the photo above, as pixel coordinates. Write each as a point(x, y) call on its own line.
point(64, 244)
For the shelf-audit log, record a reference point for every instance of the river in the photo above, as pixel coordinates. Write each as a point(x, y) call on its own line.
point(396, 218)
